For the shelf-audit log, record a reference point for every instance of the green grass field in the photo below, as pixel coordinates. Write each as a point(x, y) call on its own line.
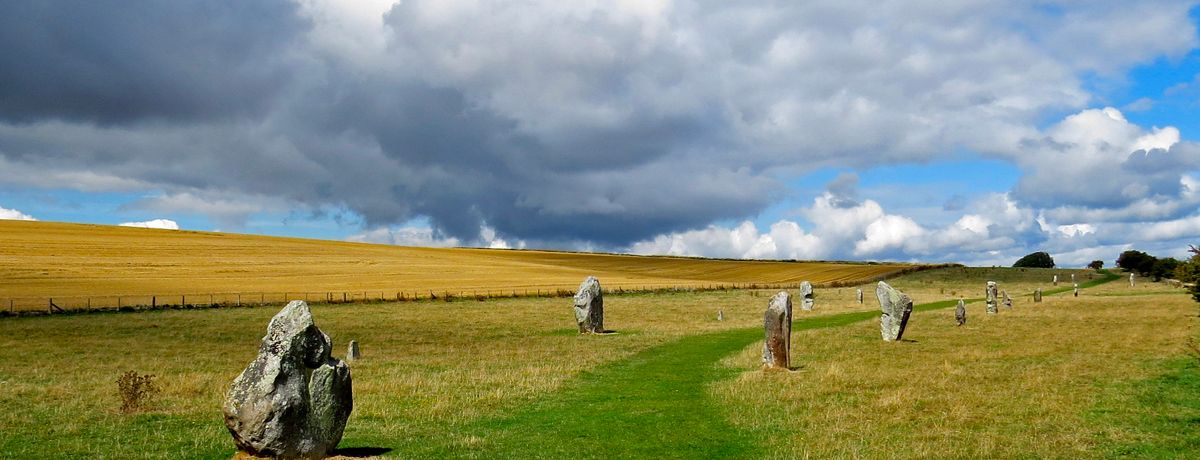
point(1104, 375)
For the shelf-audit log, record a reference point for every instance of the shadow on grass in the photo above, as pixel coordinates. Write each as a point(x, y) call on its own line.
point(361, 452)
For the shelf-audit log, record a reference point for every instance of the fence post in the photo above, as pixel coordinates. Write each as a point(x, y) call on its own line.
point(89, 303)
point(262, 298)
point(239, 300)
point(10, 305)
point(118, 301)
point(182, 300)
point(153, 301)
point(210, 298)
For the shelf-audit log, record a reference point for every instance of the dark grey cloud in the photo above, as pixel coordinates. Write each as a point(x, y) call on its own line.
point(122, 61)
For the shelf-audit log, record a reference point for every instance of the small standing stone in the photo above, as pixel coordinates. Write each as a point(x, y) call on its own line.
point(1007, 300)
point(859, 295)
point(896, 307)
point(960, 312)
point(1037, 295)
point(1056, 280)
point(720, 315)
point(991, 297)
point(1131, 280)
point(777, 327)
point(1072, 277)
point(352, 351)
point(589, 307)
point(1076, 289)
point(806, 296)
point(293, 400)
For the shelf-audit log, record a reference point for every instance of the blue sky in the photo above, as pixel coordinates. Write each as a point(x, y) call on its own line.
point(973, 132)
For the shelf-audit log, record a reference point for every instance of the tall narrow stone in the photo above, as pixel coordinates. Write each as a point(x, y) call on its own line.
point(859, 295)
point(1037, 295)
point(896, 308)
point(1131, 280)
point(1072, 277)
point(720, 314)
point(1076, 289)
point(352, 351)
point(1007, 300)
point(960, 312)
point(1056, 280)
point(777, 328)
point(589, 307)
point(293, 400)
point(991, 297)
point(806, 296)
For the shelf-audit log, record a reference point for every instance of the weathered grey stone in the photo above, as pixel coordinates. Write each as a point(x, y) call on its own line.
point(777, 327)
point(1076, 289)
point(896, 307)
point(1056, 280)
point(720, 315)
point(806, 296)
point(352, 351)
point(1131, 280)
point(293, 400)
point(960, 312)
point(859, 295)
point(1007, 300)
point(991, 297)
point(1072, 277)
point(589, 307)
point(1037, 295)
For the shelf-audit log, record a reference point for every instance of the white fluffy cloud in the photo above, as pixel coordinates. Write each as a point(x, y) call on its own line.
point(423, 235)
point(165, 224)
point(13, 214)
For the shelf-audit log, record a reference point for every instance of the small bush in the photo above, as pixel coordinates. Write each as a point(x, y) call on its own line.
point(135, 391)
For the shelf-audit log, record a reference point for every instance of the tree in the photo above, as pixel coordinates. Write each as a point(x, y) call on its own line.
point(1163, 268)
point(1189, 272)
point(1136, 261)
point(1036, 260)
point(1096, 264)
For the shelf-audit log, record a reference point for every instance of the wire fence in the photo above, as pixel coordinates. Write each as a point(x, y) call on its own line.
point(28, 306)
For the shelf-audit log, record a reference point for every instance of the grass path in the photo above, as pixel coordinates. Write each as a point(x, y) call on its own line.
point(653, 405)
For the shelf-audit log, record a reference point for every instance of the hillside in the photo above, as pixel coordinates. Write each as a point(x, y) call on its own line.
point(72, 262)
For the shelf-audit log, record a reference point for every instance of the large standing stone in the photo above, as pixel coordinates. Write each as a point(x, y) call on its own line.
point(896, 307)
point(1007, 300)
point(293, 400)
point(806, 296)
point(1037, 295)
point(777, 326)
point(589, 307)
point(991, 297)
point(1131, 280)
point(960, 312)
point(859, 295)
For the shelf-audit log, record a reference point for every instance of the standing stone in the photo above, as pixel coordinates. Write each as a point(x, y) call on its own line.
point(1056, 280)
point(806, 296)
point(352, 351)
point(991, 297)
point(720, 315)
point(1007, 300)
point(293, 400)
point(896, 307)
point(1072, 277)
point(1076, 289)
point(859, 295)
point(589, 307)
point(960, 312)
point(777, 326)
point(1131, 280)
point(1037, 295)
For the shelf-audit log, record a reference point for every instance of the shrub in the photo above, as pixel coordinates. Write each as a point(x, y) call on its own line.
point(1096, 265)
point(1136, 261)
point(135, 390)
point(1038, 259)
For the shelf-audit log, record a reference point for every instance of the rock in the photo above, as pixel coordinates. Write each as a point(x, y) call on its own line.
point(293, 400)
point(960, 312)
point(1037, 295)
point(352, 351)
point(1056, 280)
point(589, 307)
point(896, 307)
point(1076, 289)
point(991, 297)
point(859, 295)
point(806, 296)
point(777, 326)
point(1131, 280)
point(1007, 300)
point(720, 315)
point(1072, 277)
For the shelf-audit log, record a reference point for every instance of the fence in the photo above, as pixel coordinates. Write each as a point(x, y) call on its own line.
point(20, 306)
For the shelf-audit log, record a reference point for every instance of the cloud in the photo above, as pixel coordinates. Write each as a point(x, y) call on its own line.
point(596, 124)
point(165, 224)
point(13, 214)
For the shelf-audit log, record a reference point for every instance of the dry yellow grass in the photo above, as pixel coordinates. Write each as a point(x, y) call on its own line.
point(71, 262)
point(1014, 385)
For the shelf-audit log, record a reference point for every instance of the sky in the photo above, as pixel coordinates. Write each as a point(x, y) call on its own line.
point(973, 131)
